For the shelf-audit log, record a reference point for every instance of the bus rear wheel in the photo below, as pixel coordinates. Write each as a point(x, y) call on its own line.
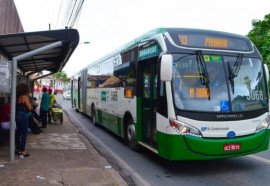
point(131, 136)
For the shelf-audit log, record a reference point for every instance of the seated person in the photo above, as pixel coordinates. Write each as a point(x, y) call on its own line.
point(34, 106)
point(5, 116)
point(32, 125)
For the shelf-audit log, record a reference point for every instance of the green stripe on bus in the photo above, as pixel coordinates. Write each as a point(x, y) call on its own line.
point(176, 147)
point(139, 119)
point(111, 122)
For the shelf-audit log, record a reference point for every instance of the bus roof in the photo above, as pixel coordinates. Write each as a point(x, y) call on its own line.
point(157, 31)
point(131, 44)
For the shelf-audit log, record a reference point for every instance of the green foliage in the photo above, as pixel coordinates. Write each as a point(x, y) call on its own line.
point(62, 76)
point(260, 36)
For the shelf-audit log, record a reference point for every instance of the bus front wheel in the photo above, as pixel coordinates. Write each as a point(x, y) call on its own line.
point(131, 136)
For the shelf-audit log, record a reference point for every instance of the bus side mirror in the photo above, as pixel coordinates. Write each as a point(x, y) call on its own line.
point(266, 72)
point(166, 67)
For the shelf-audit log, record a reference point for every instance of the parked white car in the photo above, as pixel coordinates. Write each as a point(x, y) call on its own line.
point(66, 95)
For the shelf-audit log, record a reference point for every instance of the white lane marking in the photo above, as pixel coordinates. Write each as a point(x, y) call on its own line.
point(259, 158)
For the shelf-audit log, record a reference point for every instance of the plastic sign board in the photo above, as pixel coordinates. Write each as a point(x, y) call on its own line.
point(5, 76)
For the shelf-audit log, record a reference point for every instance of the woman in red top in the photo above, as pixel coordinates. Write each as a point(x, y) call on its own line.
point(5, 116)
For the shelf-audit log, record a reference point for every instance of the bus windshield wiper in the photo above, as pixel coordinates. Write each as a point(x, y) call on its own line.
point(204, 77)
point(202, 69)
point(237, 65)
point(233, 72)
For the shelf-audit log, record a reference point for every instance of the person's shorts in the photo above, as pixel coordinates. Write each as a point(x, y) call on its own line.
point(6, 125)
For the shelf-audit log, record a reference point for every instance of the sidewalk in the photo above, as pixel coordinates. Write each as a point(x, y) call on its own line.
point(58, 156)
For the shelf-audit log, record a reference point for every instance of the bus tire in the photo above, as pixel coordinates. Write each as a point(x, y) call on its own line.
point(94, 116)
point(131, 135)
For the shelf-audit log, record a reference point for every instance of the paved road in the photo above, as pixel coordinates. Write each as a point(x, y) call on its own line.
point(153, 170)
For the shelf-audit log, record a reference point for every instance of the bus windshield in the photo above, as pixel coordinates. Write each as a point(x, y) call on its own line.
point(226, 84)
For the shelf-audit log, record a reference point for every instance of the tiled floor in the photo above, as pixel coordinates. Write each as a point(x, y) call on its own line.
point(58, 141)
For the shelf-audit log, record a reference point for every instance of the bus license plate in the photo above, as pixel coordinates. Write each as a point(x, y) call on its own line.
point(232, 147)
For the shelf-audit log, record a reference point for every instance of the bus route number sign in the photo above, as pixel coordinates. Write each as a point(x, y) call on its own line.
point(231, 147)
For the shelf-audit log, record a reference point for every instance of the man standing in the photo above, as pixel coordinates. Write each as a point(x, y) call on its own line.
point(45, 107)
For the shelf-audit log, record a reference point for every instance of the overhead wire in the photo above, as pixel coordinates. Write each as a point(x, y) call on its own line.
point(77, 14)
point(70, 12)
point(59, 12)
point(67, 12)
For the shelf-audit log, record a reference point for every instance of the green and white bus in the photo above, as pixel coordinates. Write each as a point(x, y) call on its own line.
point(185, 94)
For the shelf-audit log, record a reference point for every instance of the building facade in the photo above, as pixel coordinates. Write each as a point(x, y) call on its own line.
point(9, 18)
point(9, 23)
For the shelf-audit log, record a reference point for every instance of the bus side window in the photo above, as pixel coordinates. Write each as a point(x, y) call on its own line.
point(162, 100)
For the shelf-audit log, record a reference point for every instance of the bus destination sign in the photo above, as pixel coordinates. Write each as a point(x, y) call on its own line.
point(149, 51)
point(216, 42)
point(207, 42)
point(201, 40)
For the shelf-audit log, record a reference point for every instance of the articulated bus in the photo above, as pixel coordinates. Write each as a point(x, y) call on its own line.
point(185, 94)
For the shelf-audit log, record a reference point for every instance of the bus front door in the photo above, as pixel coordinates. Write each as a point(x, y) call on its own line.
point(149, 102)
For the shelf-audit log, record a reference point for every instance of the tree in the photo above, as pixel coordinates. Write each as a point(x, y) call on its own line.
point(62, 76)
point(260, 36)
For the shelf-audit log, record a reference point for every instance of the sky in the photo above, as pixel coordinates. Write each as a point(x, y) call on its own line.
point(109, 24)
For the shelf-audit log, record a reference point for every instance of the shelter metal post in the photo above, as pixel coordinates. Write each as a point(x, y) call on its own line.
point(12, 113)
point(13, 90)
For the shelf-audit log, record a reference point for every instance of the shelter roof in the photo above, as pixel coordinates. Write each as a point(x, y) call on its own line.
point(53, 60)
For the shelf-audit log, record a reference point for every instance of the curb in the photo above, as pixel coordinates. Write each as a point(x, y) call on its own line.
point(129, 174)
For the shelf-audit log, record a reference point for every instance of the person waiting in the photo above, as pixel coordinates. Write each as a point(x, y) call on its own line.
point(53, 100)
point(5, 116)
point(23, 107)
point(33, 111)
point(45, 107)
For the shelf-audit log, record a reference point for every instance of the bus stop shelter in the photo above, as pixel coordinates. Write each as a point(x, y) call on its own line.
point(33, 52)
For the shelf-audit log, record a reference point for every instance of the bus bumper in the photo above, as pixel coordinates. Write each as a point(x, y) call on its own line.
point(178, 147)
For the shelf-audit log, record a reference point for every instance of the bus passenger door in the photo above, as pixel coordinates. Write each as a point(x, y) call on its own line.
point(149, 80)
point(71, 92)
point(83, 91)
point(79, 93)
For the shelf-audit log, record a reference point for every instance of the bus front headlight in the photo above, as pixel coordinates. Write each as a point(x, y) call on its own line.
point(184, 129)
point(263, 125)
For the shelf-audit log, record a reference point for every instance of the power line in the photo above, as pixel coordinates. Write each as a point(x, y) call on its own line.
point(67, 13)
point(78, 13)
point(71, 13)
point(59, 13)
